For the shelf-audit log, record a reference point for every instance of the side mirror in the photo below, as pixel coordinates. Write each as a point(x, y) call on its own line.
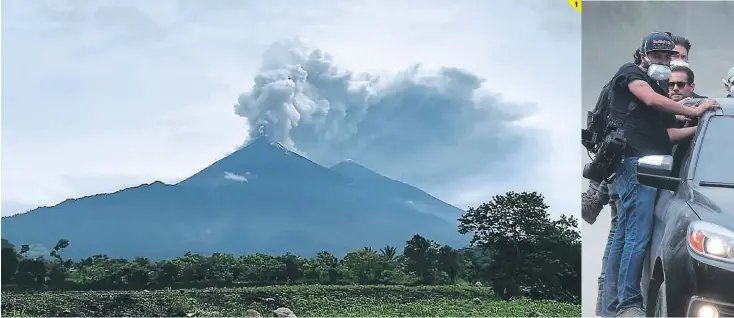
point(655, 171)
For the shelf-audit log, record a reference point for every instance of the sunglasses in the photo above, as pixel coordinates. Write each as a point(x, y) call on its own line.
point(679, 84)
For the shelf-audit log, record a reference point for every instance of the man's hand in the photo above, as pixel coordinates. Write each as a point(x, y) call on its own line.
point(682, 119)
point(701, 108)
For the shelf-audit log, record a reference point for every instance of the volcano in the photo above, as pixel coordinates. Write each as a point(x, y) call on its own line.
point(262, 198)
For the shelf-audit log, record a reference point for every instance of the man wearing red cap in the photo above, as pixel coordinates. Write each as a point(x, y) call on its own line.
point(645, 112)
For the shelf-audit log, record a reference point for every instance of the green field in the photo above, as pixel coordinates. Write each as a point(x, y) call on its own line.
point(305, 301)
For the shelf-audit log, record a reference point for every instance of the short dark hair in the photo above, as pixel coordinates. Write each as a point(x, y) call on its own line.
point(679, 40)
point(681, 68)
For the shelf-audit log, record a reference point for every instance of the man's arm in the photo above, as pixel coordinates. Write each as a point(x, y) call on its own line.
point(649, 97)
point(678, 134)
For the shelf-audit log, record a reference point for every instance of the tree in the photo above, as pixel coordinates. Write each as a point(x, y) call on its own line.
point(57, 270)
point(31, 273)
point(389, 252)
point(518, 231)
point(449, 262)
point(138, 272)
point(476, 264)
point(167, 272)
point(365, 266)
point(324, 268)
point(293, 267)
point(420, 258)
point(9, 261)
point(223, 267)
point(560, 253)
point(60, 245)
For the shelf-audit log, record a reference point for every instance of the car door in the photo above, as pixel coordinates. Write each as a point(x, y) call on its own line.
point(662, 204)
point(665, 198)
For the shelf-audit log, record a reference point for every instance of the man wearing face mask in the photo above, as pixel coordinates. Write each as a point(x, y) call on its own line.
point(650, 129)
point(607, 193)
point(682, 49)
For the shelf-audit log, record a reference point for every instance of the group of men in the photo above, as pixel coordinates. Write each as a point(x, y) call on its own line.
point(658, 81)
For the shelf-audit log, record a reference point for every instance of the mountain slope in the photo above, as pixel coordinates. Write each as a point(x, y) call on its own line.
point(417, 199)
point(262, 198)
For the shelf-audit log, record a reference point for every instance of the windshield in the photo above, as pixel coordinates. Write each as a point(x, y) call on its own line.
point(716, 157)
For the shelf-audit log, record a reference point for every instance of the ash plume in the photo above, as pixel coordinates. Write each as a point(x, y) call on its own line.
point(419, 125)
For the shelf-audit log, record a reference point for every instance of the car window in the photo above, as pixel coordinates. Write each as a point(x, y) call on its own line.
point(716, 157)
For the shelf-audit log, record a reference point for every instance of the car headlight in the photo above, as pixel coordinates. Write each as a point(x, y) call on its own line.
point(711, 240)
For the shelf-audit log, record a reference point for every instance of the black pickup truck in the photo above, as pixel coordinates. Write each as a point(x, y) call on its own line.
point(689, 269)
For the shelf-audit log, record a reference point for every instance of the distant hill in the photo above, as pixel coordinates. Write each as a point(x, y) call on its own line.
point(260, 199)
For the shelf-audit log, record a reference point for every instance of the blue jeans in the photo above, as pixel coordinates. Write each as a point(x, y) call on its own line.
point(614, 206)
point(626, 257)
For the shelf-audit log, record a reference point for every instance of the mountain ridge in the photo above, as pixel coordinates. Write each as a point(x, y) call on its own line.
point(283, 202)
point(143, 185)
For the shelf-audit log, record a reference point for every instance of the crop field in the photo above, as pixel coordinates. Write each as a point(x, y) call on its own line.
point(304, 301)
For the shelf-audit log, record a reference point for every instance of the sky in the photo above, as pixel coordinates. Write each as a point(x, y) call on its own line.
point(475, 98)
point(604, 52)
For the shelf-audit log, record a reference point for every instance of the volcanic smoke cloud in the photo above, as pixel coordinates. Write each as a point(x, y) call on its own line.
point(420, 126)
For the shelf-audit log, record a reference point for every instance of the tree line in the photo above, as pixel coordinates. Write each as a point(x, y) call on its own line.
point(515, 248)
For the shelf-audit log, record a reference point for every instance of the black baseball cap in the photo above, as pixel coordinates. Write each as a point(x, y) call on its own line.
point(658, 42)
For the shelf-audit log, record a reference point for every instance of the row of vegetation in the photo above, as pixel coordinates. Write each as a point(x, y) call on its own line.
point(305, 301)
point(516, 249)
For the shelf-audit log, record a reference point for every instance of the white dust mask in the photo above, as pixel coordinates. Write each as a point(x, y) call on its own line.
point(658, 72)
point(680, 63)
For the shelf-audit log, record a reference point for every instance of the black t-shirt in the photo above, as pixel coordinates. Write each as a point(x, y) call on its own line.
point(646, 129)
point(694, 95)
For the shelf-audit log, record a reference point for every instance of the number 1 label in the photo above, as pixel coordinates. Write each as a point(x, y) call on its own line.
point(575, 4)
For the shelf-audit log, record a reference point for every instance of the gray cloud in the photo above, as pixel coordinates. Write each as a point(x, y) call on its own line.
point(422, 126)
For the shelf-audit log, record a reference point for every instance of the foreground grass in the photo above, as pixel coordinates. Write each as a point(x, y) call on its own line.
point(305, 301)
